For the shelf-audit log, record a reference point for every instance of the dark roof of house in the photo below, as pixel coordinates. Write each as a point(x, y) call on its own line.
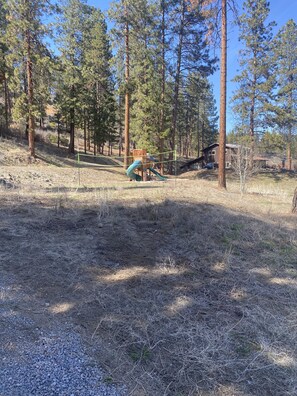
point(192, 162)
point(228, 145)
point(211, 146)
point(201, 158)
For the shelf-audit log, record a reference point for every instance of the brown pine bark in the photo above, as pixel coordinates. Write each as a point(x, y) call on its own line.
point(72, 130)
point(223, 94)
point(198, 128)
point(127, 97)
point(85, 131)
point(176, 84)
point(289, 153)
point(6, 102)
point(161, 157)
point(120, 126)
point(30, 96)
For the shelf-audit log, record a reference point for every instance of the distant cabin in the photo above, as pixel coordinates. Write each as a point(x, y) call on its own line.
point(211, 154)
point(210, 157)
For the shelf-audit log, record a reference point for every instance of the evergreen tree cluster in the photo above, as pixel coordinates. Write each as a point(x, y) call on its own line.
point(264, 104)
point(146, 77)
point(62, 56)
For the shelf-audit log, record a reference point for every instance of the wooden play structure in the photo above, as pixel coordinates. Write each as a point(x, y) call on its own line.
point(144, 170)
point(142, 166)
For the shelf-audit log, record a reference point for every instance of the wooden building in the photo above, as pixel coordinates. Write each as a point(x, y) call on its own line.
point(210, 157)
point(211, 154)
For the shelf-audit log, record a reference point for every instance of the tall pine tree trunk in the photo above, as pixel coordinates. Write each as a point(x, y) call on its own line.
point(161, 157)
point(223, 94)
point(127, 95)
point(30, 96)
point(177, 83)
point(72, 125)
point(198, 128)
point(58, 129)
point(120, 126)
point(289, 146)
point(289, 149)
point(6, 102)
point(85, 131)
point(252, 120)
point(89, 134)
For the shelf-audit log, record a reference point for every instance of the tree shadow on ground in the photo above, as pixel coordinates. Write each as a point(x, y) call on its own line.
point(173, 298)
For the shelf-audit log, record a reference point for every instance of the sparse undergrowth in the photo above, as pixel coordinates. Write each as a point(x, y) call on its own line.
point(177, 288)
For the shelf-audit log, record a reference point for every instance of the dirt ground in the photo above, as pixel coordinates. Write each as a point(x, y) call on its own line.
point(177, 288)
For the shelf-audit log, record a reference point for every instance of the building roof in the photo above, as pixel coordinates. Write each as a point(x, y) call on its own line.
point(192, 162)
point(217, 144)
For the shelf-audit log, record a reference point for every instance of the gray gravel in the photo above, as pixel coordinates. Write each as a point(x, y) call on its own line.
point(48, 360)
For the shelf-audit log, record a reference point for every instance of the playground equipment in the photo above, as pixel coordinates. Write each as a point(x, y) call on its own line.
point(142, 167)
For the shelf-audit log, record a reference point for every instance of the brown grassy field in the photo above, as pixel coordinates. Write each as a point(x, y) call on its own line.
point(176, 287)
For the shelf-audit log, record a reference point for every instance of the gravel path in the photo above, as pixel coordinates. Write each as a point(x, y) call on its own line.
point(47, 360)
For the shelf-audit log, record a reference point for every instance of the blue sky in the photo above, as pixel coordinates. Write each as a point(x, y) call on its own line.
point(280, 12)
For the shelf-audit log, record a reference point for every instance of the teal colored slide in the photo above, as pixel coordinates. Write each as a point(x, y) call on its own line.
point(130, 171)
point(159, 176)
point(137, 164)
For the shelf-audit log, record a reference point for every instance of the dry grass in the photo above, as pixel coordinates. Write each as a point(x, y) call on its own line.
point(177, 288)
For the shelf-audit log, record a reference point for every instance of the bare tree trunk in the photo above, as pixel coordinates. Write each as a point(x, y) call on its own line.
point(289, 145)
point(58, 129)
point(72, 128)
point(30, 97)
point(127, 95)
point(6, 102)
point(72, 125)
point(252, 122)
point(85, 132)
point(289, 149)
point(198, 129)
point(294, 203)
point(89, 134)
point(161, 157)
point(120, 126)
point(223, 94)
point(176, 83)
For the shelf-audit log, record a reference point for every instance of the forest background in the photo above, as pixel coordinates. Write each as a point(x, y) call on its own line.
point(64, 67)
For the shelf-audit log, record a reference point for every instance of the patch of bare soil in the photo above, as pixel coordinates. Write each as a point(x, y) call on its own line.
point(174, 287)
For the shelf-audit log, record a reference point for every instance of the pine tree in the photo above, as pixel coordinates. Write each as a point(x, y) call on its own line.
point(24, 35)
point(121, 14)
point(4, 70)
point(284, 108)
point(99, 98)
point(255, 82)
point(166, 42)
point(71, 26)
point(201, 125)
point(223, 96)
point(211, 10)
point(191, 51)
point(145, 77)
